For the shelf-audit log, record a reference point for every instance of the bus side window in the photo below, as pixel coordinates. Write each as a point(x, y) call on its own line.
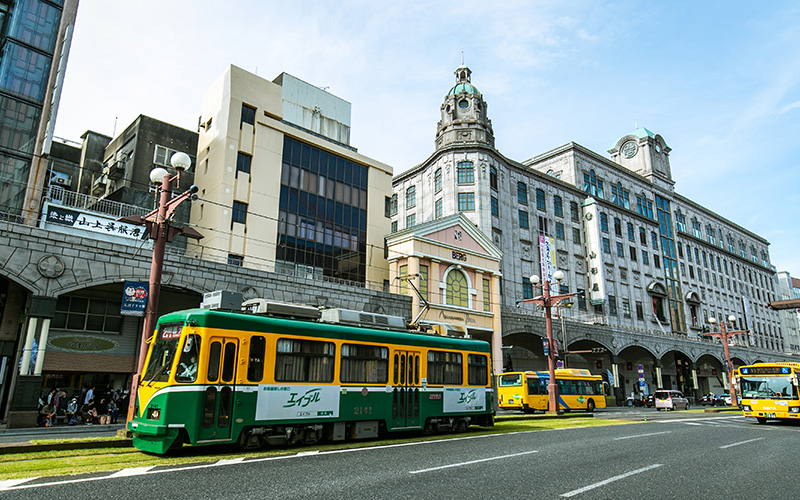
point(213, 361)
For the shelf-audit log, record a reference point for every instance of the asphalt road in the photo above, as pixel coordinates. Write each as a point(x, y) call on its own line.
point(677, 455)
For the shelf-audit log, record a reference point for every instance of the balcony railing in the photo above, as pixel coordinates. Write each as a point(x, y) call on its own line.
point(111, 208)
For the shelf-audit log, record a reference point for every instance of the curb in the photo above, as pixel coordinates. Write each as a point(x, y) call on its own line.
point(69, 445)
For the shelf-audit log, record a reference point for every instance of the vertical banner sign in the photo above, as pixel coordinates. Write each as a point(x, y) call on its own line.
point(134, 298)
point(748, 321)
point(547, 256)
point(546, 347)
point(642, 385)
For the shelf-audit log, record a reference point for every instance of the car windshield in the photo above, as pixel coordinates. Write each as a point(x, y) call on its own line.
point(162, 353)
point(779, 387)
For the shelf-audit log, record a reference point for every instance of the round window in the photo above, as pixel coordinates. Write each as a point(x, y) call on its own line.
point(463, 104)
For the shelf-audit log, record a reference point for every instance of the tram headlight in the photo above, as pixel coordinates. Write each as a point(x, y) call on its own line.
point(746, 408)
point(794, 409)
point(154, 414)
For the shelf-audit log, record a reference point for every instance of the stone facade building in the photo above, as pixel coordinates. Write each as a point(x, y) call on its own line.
point(641, 257)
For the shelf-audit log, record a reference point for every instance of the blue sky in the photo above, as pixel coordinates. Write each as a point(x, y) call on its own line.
point(720, 81)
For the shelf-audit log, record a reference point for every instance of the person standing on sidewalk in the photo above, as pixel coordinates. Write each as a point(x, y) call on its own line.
point(89, 395)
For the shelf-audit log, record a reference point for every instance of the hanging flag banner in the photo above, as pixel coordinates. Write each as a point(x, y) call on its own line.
point(547, 256)
point(134, 298)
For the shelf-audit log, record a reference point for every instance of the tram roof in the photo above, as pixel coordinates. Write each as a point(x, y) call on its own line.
point(229, 320)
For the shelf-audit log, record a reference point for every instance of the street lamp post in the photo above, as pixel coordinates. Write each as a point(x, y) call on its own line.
point(548, 301)
point(161, 232)
point(724, 334)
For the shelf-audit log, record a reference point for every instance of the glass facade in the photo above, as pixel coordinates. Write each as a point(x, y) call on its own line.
point(25, 61)
point(323, 212)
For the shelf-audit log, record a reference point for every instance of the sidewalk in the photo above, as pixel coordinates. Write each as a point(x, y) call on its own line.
point(19, 440)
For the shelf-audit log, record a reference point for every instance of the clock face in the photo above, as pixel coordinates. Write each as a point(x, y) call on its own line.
point(629, 149)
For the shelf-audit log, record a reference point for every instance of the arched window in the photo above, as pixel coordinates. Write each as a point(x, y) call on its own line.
point(457, 288)
point(592, 185)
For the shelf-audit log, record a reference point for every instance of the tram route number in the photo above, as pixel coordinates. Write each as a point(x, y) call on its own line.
point(459, 256)
point(362, 410)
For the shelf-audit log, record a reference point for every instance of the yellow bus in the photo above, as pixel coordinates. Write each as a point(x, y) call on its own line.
point(527, 391)
point(769, 391)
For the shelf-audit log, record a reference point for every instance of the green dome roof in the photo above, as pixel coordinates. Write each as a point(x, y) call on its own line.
point(463, 88)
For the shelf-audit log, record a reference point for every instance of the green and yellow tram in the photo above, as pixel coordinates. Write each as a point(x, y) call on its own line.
point(254, 380)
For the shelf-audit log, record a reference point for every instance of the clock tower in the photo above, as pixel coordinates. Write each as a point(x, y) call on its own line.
point(464, 119)
point(645, 153)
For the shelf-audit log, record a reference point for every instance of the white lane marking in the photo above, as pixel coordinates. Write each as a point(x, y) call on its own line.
point(642, 435)
point(679, 420)
point(307, 453)
point(133, 471)
point(610, 480)
point(10, 483)
point(741, 442)
point(693, 423)
point(230, 461)
point(471, 462)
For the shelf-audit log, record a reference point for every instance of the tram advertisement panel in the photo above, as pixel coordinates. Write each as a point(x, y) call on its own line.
point(461, 399)
point(281, 402)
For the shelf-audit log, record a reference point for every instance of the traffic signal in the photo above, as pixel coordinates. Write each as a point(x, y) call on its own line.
point(598, 349)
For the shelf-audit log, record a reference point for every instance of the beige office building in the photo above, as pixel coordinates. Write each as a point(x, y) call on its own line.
point(281, 189)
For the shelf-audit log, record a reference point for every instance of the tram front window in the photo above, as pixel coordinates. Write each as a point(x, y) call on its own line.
point(162, 353)
point(768, 388)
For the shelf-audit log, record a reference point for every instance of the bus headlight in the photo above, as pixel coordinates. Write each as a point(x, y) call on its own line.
point(794, 409)
point(153, 414)
point(746, 408)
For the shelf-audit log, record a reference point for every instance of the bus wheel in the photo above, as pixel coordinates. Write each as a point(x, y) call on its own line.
point(590, 406)
point(761, 420)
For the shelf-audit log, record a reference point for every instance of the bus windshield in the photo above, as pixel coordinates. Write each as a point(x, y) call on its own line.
point(756, 387)
point(162, 352)
point(511, 380)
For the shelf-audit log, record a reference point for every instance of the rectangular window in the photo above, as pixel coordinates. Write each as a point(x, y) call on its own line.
point(626, 308)
point(411, 220)
point(477, 369)
point(423, 281)
point(541, 204)
point(445, 368)
point(523, 219)
point(645, 258)
point(543, 225)
point(576, 235)
point(522, 193)
point(255, 363)
point(632, 251)
point(603, 222)
point(243, 161)
point(304, 361)
point(466, 202)
point(364, 364)
point(393, 205)
point(527, 288)
point(559, 230)
point(487, 294)
point(657, 261)
point(654, 240)
point(612, 305)
point(239, 213)
point(574, 214)
point(643, 236)
point(87, 314)
point(495, 206)
point(437, 211)
point(493, 177)
point(411, 197)
point(680, 250)
point(606, 245)
point(466, 172)
point(558, 206)
point(437, 180)
point(617, 226)
point(631, 234)
point(248, 114)
point(620, 250)
point(394, 226)
point(581, 296)
point(639, 310)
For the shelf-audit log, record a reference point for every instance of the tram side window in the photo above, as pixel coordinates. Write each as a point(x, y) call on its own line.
point(229, 362)
point(477, 369)
point(213, 361)
point(364, 364)
point(187, 364)
point(445, 368)
point(304, 361)
point(255, 366)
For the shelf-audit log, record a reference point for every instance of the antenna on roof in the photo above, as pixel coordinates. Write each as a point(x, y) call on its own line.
point(635, 121)
point(462, 56)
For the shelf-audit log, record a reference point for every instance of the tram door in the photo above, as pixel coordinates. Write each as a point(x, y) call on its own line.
point(218, 400)
point(405, 393)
